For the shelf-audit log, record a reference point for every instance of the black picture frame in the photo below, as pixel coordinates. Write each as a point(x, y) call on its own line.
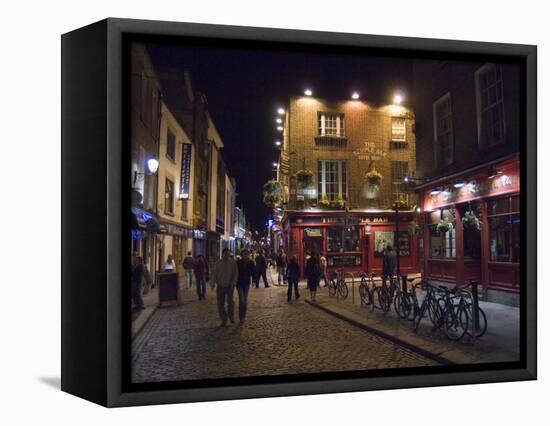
point(94, 342)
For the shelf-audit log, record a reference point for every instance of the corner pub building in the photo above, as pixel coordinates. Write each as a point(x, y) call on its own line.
point(341, 167)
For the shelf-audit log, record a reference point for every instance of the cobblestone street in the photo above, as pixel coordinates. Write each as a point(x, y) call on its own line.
point(186, 342)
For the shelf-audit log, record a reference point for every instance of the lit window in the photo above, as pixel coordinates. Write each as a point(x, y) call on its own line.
point(504, 229)
point(442, 244)
point(331, 125)
point(443, 131)
point(400, 169)
point(398, 129)
point(332, 179)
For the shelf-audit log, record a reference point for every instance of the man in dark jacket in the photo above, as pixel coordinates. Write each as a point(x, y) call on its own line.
point(388, 266)
point(261, 268)
point(245, 277)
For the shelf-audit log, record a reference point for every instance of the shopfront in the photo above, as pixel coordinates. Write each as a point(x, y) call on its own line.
point(352, 241)
point(483, 241)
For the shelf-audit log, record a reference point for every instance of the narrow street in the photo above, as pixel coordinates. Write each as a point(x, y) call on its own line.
point(186, 342)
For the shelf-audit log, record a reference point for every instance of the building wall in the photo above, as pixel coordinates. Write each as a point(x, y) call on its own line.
point(458, 79)
point(364, 124)
point(171, 169)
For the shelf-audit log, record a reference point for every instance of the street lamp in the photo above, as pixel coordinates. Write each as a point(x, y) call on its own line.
point(355, 95)
point(151, 167)
point(280, 128)
point(397, 98)
point(278, 120)
point(308, 92)
point(277, 143)
point(280, 111)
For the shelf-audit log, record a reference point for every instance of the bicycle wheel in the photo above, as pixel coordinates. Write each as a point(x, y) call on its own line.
point(454, 328)
point(364, 294)
point(420, 315)
point(413, 308)
point(376, 297)
point(436, 311)
point(466, 321)
point(385, 300)
point(343, 289)
point(401, 305)
point(332, 287)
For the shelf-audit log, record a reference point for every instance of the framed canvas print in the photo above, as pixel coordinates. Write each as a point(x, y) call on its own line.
point(253, 212)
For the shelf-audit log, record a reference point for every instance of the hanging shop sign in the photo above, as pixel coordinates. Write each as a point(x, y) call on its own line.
point(185, 177)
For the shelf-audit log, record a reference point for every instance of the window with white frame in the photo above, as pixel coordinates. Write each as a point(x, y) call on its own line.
point(330, 124)
point(443, 130)
point(490, 105)
point(398, 129)
point(332, 179)
point(399, 169)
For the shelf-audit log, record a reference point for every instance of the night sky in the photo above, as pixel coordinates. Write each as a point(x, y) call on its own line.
point(244, 87)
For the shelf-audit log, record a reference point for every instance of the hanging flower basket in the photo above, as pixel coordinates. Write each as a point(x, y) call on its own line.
point(272, 192)
point(414, 228)
point(373, 178)
point(444, 226)
point(471, 221)
point(304, 178)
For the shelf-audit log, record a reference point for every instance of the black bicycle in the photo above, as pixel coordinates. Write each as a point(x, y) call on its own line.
point(337, 285)
point(366, 289)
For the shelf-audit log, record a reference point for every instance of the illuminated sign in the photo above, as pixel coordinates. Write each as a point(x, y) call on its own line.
point(185, 176)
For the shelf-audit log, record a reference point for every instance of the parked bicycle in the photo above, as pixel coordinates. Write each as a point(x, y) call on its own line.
point(366, 289)
point(337, 284)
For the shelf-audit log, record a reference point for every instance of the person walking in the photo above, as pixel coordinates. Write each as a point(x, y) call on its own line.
point(138, 276)
point(245, 269)
point(388, 265)
point(323, 263)
point(188, 265)
point(201, 276)
point(224, 279)
point(313, 274)
point(292, 275)
point(170, 265)
point(261, 270)
point(281, 262)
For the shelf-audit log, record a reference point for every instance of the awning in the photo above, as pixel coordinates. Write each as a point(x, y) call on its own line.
point(143, 219)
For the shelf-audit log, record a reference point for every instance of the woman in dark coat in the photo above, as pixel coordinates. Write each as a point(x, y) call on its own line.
point(313, 274)
point(292, 276)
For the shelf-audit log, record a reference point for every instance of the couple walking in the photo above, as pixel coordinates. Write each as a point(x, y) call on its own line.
point(228, 275)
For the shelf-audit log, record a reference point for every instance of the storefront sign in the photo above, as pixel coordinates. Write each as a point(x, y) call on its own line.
point(179, 231)
point(474, 189)
point(343, 261)
point(313, 232)
point(307, 192)
point(185, 177)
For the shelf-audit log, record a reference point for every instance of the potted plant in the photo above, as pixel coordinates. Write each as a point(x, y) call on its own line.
point(272, 193)
point(304, 178)
point(471, 221)
point(339, 201)
point(444, 226)
point(324, 202)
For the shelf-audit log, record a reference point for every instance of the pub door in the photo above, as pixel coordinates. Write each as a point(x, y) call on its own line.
point(312, 244)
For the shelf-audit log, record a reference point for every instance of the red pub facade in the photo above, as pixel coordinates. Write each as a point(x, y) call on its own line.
point(488, 253)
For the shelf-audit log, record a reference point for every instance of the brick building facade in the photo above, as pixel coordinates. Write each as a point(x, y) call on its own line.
point(468, 142)
point(327, 150)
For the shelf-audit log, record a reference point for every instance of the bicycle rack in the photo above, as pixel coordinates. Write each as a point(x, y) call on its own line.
point(352, 286)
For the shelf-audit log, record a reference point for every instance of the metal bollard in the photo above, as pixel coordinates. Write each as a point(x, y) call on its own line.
point(475, 311)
